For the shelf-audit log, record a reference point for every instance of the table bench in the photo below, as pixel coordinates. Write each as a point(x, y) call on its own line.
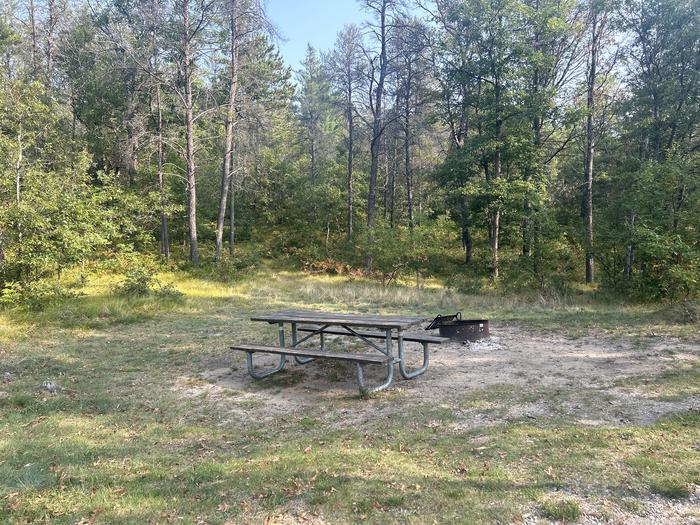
point(348, 325)
point(411, 337)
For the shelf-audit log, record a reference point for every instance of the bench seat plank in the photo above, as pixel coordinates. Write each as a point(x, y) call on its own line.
point(311, 352)
point(314, 317)
point(417, 338)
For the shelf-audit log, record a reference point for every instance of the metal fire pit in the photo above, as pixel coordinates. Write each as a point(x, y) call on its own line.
point(458, 329)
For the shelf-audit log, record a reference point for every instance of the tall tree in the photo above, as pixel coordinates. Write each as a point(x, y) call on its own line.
point(246, 20)
point(234, 41)
point(345, 63)
point(452, 58)
point(411, 45)
point(598, 28)
point(314, 107)
point(378, 68)
point(554, 37)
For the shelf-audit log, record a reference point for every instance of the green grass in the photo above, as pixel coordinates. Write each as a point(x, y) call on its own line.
point(673, 385)
point(561, 509)
point(119, 444)
point(671, 488)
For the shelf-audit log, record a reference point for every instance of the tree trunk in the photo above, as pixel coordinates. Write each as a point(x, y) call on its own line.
point(232, 220)
point(228, 124)
point(587, 204)
point(351, 143)
point(467, 242)
point(132, 139)
point(376, 136)
point(386, 185)
point(407, 166)
point(394, 175)
point(629, 261)
point(537, 258)
point(495, 220)
point(18, 165)
point(51, 23)
point(494, 233)
point(312, 168)
point(527, 205)
point(31, 11)
point(189, 134)
point(629, 256)
point(372, 194)
point(656, 112)
point(164, 234)
point(18, 179)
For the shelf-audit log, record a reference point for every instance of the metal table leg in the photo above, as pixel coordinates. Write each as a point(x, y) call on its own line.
point(301, 360)
point(361, 379)
point(389, 368)
point(261, 375)
point(280, 366)
point(402, 369)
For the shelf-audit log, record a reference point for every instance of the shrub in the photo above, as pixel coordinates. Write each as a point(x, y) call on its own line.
point(33, 295)
point(685, 312)
point(140, 281)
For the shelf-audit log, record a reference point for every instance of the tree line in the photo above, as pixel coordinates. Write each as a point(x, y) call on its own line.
point(524, 143)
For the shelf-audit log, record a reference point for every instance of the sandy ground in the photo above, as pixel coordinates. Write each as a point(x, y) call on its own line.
point(576, 380)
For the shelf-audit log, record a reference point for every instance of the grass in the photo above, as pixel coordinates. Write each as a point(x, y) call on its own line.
point(680, 383)
point(566, 510)
point(119, 443)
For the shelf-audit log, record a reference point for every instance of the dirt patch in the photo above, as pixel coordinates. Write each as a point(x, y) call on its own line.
point(651, 510)
point(517, 373)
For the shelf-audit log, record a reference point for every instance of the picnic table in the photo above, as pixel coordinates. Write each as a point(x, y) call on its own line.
point(366, 328)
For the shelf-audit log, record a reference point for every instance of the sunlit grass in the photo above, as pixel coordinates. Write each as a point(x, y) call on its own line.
point(97, 306)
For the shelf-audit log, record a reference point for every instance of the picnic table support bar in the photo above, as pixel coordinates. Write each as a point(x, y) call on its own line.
point(301, 360)
point(361, 379)
point(389, 368)
point(419, 371)
point(315, 332)
point(261, 375)
point(370, 343)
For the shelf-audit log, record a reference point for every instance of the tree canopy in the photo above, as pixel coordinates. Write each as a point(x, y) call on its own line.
point(507, 143)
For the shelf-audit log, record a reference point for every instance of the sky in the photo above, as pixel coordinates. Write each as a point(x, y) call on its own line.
point(314, 22)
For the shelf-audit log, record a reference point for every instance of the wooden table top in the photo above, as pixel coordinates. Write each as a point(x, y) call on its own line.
point(328, 318)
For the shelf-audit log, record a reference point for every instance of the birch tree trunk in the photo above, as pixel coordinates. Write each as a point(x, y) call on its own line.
point(18, 177)
point(587, 201)
point(187, 67)
point(164, 234)
point(229, 122)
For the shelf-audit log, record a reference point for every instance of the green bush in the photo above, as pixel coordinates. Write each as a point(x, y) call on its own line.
point(33, 295)
point(140, 281)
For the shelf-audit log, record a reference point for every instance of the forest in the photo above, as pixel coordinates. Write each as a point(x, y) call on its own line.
point(493, 144)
